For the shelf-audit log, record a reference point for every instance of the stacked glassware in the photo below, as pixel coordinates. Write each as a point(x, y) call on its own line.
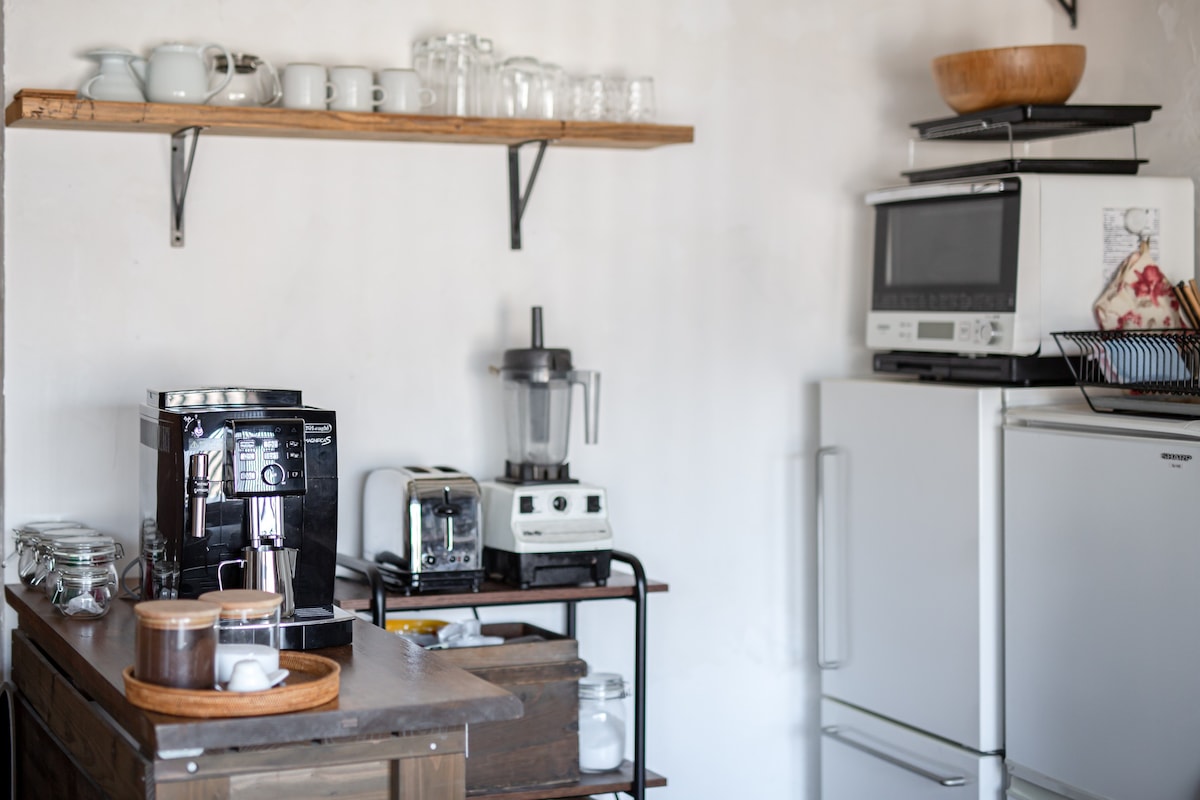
point(466, 78)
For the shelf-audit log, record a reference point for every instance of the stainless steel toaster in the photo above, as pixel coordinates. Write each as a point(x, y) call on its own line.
point(422, 526)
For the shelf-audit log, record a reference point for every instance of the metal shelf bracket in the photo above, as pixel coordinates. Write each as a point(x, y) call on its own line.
point(516, 200)
point(181, 173)
point(1072, 9)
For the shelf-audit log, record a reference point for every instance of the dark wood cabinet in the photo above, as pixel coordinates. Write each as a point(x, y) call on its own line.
point(397, 728)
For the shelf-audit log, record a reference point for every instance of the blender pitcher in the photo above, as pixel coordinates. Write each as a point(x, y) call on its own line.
point(537, 403)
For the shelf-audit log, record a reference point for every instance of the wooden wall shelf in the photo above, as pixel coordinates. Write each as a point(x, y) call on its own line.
point(50, 108)
point(58, 109)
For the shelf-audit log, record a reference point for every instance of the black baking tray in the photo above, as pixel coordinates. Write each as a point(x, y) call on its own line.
point(1026, 122)
point(1002, 370)
point(1004, 166)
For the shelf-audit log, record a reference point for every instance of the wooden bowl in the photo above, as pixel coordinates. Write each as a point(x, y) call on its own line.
point(977, 80)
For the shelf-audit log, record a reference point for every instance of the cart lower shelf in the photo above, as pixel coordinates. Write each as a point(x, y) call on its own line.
point(620, 780)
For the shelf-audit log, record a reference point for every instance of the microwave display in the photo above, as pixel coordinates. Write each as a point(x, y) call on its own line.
point(947, 254)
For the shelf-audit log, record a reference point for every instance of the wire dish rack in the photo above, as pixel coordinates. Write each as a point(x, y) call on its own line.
point(1154, 372)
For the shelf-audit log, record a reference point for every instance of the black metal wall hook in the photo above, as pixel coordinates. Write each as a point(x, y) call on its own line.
point(1072, 9)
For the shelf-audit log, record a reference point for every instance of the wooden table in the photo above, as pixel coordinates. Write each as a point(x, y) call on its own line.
point(397, 728)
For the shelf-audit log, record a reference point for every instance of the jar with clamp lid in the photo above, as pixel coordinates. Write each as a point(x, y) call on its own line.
point(81, 575)
point(601, 722)
point(247, 628)
point(24, 539)
point(33, 570)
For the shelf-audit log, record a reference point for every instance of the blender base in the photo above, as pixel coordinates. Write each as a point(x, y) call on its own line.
point(529, 570)
point(525, 473)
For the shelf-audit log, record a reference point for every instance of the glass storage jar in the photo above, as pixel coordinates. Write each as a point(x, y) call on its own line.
point(601, 722)
point(176, 643)
point(41, 546)
point(247, 628)
point(81, 575)
point(24, 539)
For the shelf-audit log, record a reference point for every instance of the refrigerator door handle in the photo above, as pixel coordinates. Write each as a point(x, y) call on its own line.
point(839, 734)
point(824, 659)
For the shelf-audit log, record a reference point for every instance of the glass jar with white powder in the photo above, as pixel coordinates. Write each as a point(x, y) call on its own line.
point(601, 722)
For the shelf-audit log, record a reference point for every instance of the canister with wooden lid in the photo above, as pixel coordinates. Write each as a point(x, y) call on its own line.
point(248, 628)
point(176, 643)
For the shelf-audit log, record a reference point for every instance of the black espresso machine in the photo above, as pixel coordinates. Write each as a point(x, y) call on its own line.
point(233, 477)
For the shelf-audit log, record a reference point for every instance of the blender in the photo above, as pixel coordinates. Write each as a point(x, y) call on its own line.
point(541, 526)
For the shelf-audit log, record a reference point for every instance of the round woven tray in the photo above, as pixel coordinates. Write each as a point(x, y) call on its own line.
point(312, 681)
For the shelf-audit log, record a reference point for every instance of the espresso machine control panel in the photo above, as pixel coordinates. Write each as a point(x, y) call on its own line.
point(267, 458)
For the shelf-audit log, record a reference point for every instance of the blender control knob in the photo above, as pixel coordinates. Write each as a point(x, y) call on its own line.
point(560, 503)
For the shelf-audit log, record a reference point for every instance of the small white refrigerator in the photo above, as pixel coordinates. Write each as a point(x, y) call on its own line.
point(1102, 608)
point(909, 600)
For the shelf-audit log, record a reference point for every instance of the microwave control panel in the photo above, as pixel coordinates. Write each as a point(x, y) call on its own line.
point(975, 333)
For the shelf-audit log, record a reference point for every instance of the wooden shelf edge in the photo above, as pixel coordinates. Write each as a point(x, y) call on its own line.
point(54, 108)
point(591, 783)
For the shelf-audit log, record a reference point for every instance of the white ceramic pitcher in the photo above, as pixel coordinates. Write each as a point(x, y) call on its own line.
point(179, 73)
point(115, 79)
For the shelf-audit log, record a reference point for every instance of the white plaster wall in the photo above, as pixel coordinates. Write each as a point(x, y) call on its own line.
point(711, 284)
point(1144, 53)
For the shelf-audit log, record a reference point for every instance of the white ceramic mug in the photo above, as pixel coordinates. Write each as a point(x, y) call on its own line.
point(307, 86)
point(355, 88)
point(403, 92)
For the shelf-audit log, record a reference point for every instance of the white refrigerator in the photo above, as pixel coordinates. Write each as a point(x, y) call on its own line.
point(909, 603)
point(1102, 562)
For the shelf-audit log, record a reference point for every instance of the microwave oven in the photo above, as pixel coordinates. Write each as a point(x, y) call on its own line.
point(994, 266)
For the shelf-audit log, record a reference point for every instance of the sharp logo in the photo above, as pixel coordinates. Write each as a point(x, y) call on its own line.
point(318, 427)
point(1175, 456)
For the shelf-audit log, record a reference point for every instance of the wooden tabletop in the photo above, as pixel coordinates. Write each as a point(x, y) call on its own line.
point(388, 685)
point(356, 596)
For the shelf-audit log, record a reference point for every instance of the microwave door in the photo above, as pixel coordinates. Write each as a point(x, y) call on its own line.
point(944, 271)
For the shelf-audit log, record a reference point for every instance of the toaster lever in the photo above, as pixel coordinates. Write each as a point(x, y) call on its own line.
point(447, 512)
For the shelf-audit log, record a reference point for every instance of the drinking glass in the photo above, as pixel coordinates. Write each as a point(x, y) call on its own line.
point(555, 92)
point(639, 96)
point(521, 87)
point(587, 97)
point(615, 99)
point(460, 75)
point(487, 79)
point(426, 60)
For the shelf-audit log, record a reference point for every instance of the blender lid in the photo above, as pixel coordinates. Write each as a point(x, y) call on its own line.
point(536, 358)
point(533, 359)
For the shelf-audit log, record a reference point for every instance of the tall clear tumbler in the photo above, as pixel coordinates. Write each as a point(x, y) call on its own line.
point(555, 92)
point(460, 75)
